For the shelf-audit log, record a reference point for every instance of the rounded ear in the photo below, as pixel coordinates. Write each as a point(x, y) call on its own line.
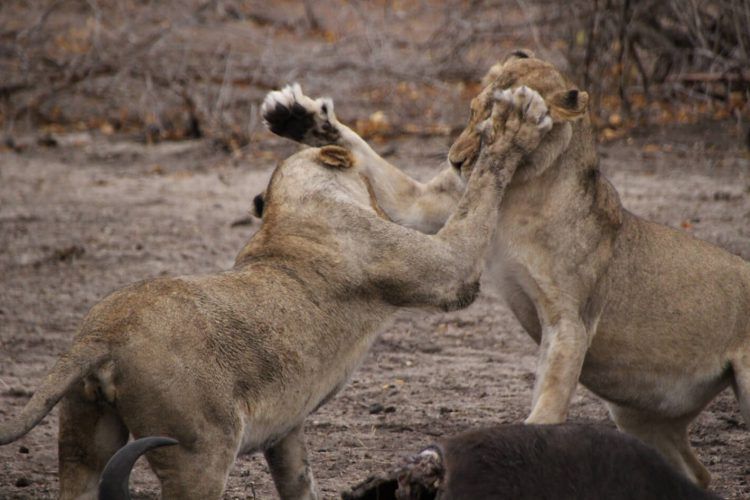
point(520, 54)
point(336, 157)
point(568, 105)
point(259, 203)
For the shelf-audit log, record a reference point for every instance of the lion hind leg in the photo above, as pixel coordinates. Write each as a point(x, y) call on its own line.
point(668, 435)
point(90, 433)
point(197, 473)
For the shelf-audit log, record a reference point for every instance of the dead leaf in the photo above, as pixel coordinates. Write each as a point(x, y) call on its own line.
point(615, 120)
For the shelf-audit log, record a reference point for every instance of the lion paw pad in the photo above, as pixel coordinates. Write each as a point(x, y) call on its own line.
point(290, 113)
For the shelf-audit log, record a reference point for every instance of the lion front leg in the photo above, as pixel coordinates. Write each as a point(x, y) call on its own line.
point(291, 472)
point(422, 206)
point(290, 113)
point(410, 269)
point(563, 349)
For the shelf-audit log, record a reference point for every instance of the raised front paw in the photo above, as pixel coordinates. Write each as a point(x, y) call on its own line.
point(291, 114)
point(519, 119)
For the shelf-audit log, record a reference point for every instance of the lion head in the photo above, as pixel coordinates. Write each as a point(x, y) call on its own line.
point(566, 104)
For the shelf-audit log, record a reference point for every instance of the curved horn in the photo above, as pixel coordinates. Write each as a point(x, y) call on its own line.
point(113, 484)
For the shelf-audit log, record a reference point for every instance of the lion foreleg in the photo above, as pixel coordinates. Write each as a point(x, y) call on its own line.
point(563, 349)
point(291, 472)
point(412, 269)
point(422, 206)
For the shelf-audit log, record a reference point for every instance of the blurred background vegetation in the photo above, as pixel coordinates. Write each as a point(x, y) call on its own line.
point(171, 70)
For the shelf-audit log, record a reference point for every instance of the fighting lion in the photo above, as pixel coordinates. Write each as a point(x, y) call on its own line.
point(651, 319)
point(233, 362)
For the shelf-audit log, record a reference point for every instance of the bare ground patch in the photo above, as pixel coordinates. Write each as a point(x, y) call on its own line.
point(77, 222)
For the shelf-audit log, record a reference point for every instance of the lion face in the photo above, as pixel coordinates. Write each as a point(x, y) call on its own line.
point(564, 100)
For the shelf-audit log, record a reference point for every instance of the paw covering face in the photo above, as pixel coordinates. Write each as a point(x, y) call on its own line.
point(520, 67)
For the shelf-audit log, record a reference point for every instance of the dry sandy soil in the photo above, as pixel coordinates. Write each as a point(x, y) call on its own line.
point(91, 215)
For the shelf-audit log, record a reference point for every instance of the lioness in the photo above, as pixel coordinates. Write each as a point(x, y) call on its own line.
point(651, 319)
point(233, 362)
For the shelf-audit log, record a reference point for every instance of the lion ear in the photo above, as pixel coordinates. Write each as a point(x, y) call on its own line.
point(520, 54)
point(259, 204)
point(336, 157)
point(568, 105)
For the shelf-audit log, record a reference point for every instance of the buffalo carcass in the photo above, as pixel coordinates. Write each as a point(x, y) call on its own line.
point(535, 462)
point(564, 461)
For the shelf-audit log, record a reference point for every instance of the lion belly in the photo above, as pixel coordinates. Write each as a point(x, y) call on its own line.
point(667, 389)
point(676, 312)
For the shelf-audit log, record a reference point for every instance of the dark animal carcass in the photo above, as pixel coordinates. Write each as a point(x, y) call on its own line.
point(555, 462)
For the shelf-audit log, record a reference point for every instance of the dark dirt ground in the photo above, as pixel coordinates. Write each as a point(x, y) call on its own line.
point(91, 215)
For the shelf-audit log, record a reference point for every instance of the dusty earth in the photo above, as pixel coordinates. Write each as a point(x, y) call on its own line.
point(91, 215)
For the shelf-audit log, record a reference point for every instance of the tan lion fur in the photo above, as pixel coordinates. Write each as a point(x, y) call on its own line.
point(233, 362)
point(650, 318)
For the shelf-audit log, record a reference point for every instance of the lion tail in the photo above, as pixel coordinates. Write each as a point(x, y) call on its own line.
point(69, 369)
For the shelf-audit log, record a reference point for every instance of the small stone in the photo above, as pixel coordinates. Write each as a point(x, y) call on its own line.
point(444, 410)
point(722, 196)
point(22, 482)
point(375, 409)
point(23, 450)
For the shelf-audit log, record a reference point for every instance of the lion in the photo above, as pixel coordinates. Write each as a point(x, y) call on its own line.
point(232, 363)
point(651, 319)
